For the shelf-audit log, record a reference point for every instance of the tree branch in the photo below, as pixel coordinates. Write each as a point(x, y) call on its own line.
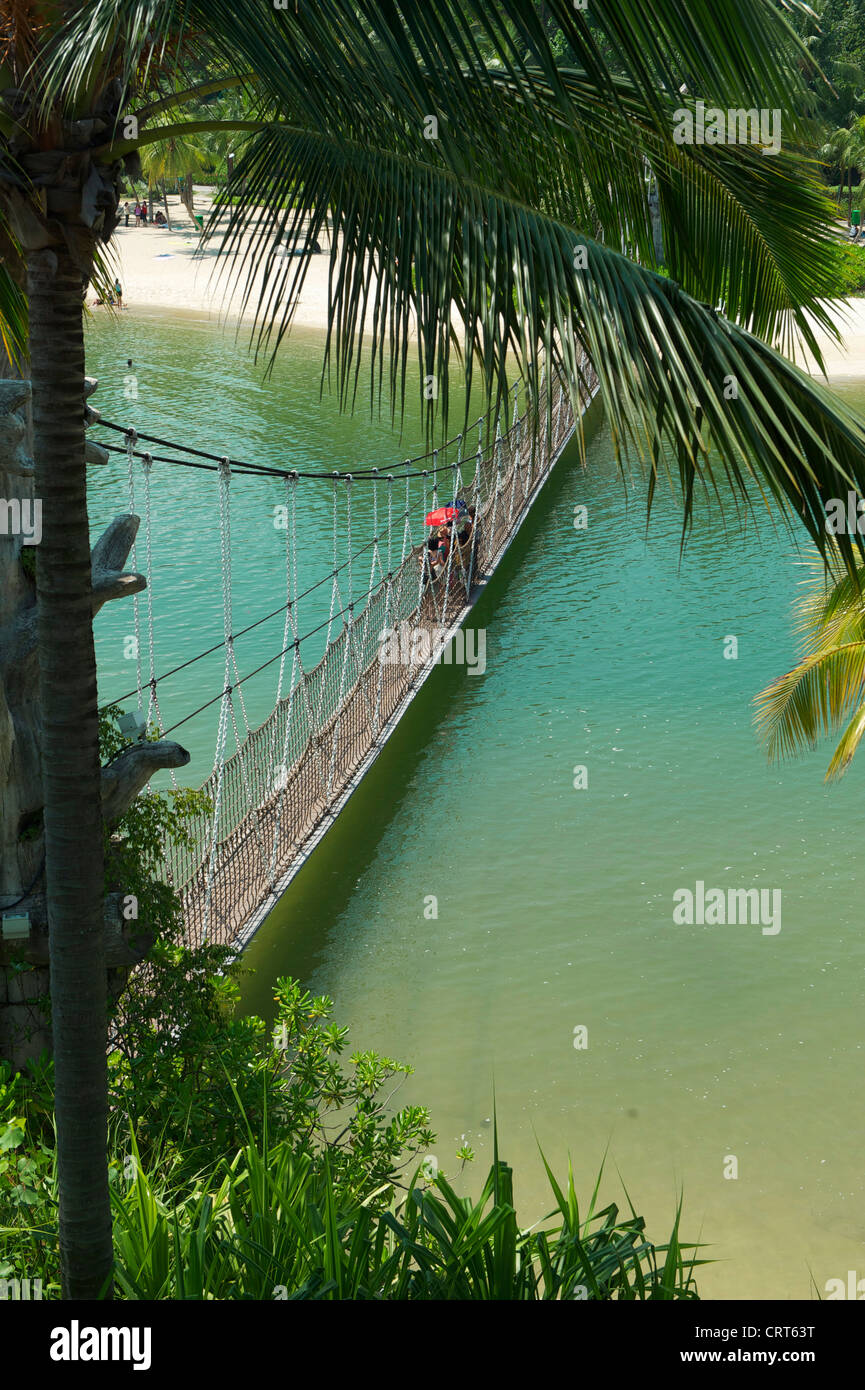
point(118, 149)
point(107, 559)
point(123, 779)
point(203, 89)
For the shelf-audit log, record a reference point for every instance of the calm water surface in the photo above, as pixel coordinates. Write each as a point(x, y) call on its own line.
point(554, 904)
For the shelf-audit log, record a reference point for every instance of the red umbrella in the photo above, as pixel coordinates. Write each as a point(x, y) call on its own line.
point(440, 516)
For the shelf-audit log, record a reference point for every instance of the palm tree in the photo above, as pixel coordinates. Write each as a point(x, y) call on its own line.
point(817, 24)
point(824, 693)
point(227, 108)
point(174, 160)
point(468, 170)
point(845, 148)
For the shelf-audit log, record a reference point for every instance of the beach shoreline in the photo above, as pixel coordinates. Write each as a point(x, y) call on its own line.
point(159, 270)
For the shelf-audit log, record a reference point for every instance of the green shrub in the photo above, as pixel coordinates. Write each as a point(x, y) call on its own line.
point(326, 1210)
point(246, 1164)
point(231, 1078)
point(28, 1178)
point(850, 274)
point(275, 1224)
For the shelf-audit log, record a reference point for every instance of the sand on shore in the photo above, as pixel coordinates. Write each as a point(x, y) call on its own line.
point(159, 268)
point(163, 268)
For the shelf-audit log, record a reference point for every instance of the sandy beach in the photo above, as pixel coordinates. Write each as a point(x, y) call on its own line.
point(162, 267)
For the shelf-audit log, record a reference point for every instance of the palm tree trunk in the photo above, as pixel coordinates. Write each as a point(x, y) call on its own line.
point(71, 773)
point(657, 228)
point(165, 201)
point(189, 195)
point(25, 1031)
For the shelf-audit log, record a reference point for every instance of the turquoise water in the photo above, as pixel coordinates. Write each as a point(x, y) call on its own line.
point(194, 384)
point(555, 904)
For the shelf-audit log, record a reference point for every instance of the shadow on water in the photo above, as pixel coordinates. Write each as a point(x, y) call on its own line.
point(294, 937)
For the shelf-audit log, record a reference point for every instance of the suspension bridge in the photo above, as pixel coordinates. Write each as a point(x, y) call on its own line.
point(277, 788)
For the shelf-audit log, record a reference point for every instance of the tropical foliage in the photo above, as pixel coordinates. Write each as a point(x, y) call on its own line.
point(268, 1226)
point(845, 148)
point(824, 693)
point(833, 32)
point(466, 168)
point(174, 162)
point(319, 1197)
point(850, 270)
point(508, 215)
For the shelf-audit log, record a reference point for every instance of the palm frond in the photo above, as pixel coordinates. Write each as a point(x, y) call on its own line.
point(467, 243)
point(813, 700)
point(832, 612)
point(172, 158)
point(730, 53)
point(847, 745)
point(14, 330)
point(734, 220)
point(415, 243)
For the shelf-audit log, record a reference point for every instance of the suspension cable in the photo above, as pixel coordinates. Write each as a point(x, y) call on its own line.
point(217, 646)
point(262, 470)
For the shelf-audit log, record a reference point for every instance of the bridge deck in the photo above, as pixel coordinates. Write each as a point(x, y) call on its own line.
point(290, 779)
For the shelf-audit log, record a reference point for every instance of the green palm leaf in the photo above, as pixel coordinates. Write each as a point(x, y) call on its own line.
point(468, 240)
point(417, 243)
point(13, 318)
point(813, 699)
point(13, 301)
point(373, 73)
point(827, 686)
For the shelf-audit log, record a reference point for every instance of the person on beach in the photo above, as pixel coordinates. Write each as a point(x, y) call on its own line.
point(144, 214)
point(137, 214)
point(126, 213)
point(118, 293)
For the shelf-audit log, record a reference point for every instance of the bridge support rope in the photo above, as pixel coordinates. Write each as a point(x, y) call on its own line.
point(277, 792)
